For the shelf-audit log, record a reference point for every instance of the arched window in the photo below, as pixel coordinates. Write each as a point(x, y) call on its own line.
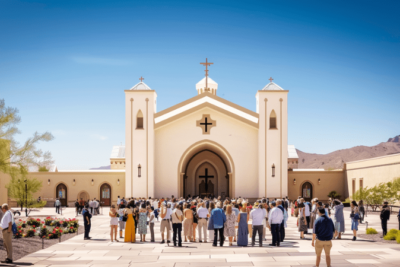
point(272, 120)
point(139, 120)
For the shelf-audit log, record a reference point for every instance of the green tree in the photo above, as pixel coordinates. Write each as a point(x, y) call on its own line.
point(334, 195)
point(15, 159)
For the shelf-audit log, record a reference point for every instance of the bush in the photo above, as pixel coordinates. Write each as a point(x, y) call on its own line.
point(398, 239)
point(391, 235)
point(34, 223)
point(371, 231)
point(334, 195)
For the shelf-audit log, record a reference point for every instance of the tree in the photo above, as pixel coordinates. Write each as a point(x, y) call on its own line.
point(334, 195)
point(15, 159)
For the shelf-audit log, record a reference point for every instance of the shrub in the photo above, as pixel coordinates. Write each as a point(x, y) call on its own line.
point(398, 239)
point(334, 195)
point(44, 232)
point(391, 235)
point(34, 223)
point(74, 223)
point(371, 231)
point(19, 234)
point(30, 233)
point(48, 221)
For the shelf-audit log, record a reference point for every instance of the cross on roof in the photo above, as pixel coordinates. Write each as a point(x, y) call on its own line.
point(141, 79)
point(206, 123)
point(206, 64)
point(270, 79)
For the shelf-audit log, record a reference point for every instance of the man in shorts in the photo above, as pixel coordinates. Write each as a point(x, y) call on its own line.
point(165, 222)
point(322, 236)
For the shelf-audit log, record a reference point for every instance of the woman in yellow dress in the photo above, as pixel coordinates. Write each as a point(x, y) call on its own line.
point(129, 226)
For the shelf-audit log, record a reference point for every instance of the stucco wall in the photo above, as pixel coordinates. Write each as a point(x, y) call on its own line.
point(82, 183)
point(330, 181)
point(238, 138)
point(372, 172)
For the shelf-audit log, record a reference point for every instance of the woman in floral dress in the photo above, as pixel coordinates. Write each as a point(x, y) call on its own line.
point(229, 227)
point(142, 227)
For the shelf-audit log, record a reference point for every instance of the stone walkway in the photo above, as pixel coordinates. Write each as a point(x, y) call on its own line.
point(293, 252)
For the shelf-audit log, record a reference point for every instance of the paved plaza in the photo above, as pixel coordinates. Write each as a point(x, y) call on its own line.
point(293, 252)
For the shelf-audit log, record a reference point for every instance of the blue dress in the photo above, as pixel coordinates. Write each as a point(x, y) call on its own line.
point(243, 230)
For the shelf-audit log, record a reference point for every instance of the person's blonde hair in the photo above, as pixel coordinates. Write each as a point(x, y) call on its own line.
point(228, 209)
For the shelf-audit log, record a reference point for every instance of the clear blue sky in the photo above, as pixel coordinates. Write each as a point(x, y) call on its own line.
point(65, 65)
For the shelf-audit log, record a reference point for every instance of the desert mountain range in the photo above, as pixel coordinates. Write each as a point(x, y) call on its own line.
point(335, 160)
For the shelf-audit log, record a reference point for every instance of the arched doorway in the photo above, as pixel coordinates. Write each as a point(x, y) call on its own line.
point(206, 180)
point(84, 196)
point(61, 194)
point(307, 191)
point(189, 174)
point(105, 195)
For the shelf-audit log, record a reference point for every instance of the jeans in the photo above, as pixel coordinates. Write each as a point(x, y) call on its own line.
point(275, 229)
point(87, 230)
point(282, 231)
point(384, 227)
point(58, 209)
point(259, 229)
point(308, 222)
point(177, 228)
point(221, 236)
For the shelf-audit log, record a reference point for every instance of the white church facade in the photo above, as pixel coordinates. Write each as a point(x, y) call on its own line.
point(206, 144)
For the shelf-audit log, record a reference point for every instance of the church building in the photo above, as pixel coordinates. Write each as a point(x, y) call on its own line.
point(206, 144)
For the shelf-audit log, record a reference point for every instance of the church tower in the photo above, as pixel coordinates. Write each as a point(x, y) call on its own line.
point(272, 141)
point(140, 107)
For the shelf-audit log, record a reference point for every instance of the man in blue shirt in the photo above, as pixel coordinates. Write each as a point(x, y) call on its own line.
point(322, 236)
point(86, 221)
point(218, 218)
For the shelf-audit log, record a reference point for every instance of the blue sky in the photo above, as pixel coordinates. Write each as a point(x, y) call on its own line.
point(65, 65)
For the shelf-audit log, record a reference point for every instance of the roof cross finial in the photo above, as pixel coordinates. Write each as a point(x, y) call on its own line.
point(141, 79)
point(206, 64)
point(270, 79)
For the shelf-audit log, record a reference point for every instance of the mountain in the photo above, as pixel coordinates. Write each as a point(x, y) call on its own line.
point(102, 168)
point(335, 160)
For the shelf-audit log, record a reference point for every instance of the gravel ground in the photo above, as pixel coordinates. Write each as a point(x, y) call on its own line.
point(24, 246)
point(376, 238)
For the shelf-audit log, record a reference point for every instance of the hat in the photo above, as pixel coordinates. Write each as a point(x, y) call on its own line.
point(256, 204)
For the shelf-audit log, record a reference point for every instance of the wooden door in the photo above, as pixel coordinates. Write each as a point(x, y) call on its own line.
point(105, 195)
point(307, 191)
point(61, 194)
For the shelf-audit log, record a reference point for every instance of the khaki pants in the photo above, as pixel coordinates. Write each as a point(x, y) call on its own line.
point(323, 245)
point(166, 226)
point(7, 236)
point(202, 226)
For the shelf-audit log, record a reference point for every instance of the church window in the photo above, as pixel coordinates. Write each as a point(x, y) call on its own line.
point(272, 120)
point(139, 120)
point(139, 171)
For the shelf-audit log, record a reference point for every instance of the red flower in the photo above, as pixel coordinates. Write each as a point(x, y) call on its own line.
point(38, 220)
point(34, 231)
point(20, 231)
point(44, 226)
point(54, 231)
point(20, 220)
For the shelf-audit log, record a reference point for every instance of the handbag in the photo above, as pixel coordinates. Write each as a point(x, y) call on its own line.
point(356, 216)
point(14, 228)
point(125, 217)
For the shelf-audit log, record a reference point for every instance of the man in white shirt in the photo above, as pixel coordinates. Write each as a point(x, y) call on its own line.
point(275, 219)
point(177, 218)
point(165, 224)
point(257, 216)
point(306, 212)
point(6, 227)
point(155, 204)
point(202, 212)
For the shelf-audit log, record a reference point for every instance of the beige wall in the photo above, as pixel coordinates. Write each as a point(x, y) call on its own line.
point(231, 138)
point(330, 181)
point(371, 172)
point(82, 184)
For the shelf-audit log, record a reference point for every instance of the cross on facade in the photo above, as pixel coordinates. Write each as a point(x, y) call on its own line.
point(270, 79)
point(141, 79)
point(206, 64)
point(206, 123)
point(206, 177)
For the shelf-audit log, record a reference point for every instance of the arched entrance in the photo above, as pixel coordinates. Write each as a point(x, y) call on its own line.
point(105, 195)
point(83, 195)
point(61, 194)
point(206, 168)
point(307, 191)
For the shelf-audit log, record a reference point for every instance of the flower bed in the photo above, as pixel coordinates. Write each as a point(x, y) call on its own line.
point(50, 228)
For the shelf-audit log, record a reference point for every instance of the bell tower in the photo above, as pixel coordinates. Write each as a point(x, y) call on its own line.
point(272, 141)
point(140, 107)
